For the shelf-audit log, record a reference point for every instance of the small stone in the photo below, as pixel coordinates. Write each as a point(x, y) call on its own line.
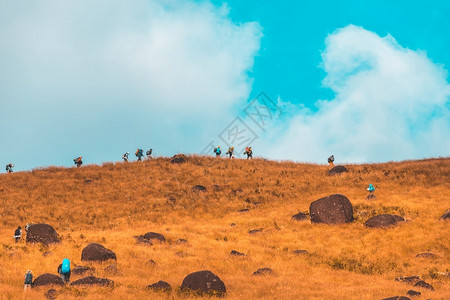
point(427, 255)
point(199, 188)
point(300, 252)
point(299, 217)
point(408, 279)
point(255, 231)
point(51, 294)
point(263, 271)
point(236, 253)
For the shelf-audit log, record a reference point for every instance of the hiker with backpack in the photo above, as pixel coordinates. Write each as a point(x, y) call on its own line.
point(230, 152)
point(125, 156)
point(331, 160)
point(18, 234)
point(64, 270)
point(371, 189)
point(78, 161)
point(9, 168)
point(149, 153)
point(28, 280)
point(249, 152)
point(139, 153)
point(217, 151)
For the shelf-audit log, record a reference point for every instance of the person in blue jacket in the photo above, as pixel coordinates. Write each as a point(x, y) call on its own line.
point(371, 189)
point(64, 270)
point(217, 151)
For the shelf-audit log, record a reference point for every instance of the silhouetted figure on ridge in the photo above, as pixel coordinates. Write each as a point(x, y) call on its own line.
point(9, 168)
point(78, 161)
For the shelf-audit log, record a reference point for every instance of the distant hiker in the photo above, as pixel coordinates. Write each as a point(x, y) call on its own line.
point(139, 153)
point(230, 152)
point(149, 153)
point(28, 280)
point(125, 156)
point(78, 161)
point(9, 168)
point(217, 151)
point(64, 270)
point(249, 152)
point(18, 234)
point(331, 160)
point(371, 189)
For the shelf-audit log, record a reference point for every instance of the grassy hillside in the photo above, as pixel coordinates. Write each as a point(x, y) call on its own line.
point(110, 204)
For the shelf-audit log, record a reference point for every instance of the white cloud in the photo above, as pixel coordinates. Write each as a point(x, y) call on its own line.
point(120, 74)
point(391, 103)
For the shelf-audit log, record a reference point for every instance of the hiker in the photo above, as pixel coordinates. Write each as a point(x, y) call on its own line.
point(249, 152)
point(9, 168)
point(78, 161)
point(64, 270)
point(371, 189)
point(149, 153)
point(217, 151)
point(28, 280)
point(125, 156)
point(18, 234)
point(139, 153)
point(230, 152)
point(331, 160)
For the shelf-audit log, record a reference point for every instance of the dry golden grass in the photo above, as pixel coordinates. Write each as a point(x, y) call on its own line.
point(123, 200)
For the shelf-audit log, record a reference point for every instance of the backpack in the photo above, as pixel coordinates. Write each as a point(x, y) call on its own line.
point(28, 278)
point(137, 152)
point(65, 265)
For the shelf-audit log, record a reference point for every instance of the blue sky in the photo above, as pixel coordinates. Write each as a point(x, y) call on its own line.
point(366, 81)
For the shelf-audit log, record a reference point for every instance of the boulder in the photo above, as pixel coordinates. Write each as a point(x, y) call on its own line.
point(424, 285)
point(337, 170)
point(299, 217)
point(178, 159)
point(413, 293)
point(154, 236)
point(142, 240)
point(160, 286)
point(42, 233)
point(333, 209)
point(47, 279)
point(384, 220)
point(263, 271)
point(92, 280)
point(203, 282)
point(198, 188)
point(96, 252)
point(81, 270)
